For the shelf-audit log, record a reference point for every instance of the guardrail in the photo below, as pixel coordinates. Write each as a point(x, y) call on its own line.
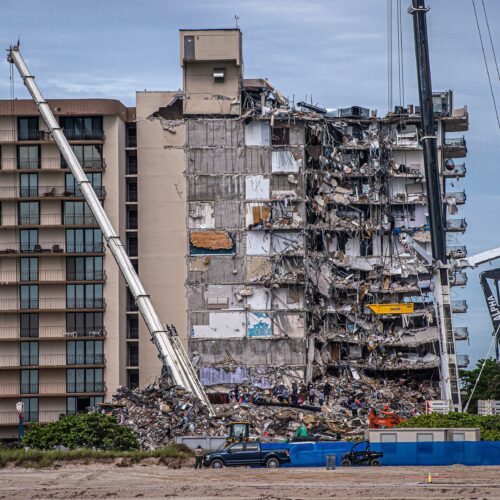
point(44, 416)
point(49, 304)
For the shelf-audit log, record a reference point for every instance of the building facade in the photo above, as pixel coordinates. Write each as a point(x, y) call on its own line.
point(272, 234)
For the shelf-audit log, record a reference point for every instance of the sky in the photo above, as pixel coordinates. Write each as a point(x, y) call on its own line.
point(330, 52)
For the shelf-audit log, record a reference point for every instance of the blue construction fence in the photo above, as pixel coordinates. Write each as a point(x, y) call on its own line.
point(310, 454)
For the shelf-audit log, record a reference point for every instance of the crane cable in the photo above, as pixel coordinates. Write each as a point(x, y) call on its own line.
point(389, 56)
point(486, 63)
point(491, 39)
point(480, 373)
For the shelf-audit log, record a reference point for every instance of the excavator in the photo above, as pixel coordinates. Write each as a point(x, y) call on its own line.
point(177, 365)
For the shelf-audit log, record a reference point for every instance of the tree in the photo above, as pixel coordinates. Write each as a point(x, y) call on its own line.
point(488, 386)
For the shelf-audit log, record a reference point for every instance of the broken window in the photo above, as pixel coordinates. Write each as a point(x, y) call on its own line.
point(366, 247)
point(280, 136)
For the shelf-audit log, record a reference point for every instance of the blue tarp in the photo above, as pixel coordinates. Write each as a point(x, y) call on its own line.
point(434, 453)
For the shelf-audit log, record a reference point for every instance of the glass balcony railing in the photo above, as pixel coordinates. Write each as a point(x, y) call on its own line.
point(459, 306)
point(457, 251)
point(456, 225)
point(462, 360)
point(84, 134)
point(461, 333)
point(85, 359)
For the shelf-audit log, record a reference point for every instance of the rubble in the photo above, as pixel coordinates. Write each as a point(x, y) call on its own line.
point(161, 412)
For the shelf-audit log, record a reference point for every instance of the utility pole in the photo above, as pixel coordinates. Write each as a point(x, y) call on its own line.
point(450, 389)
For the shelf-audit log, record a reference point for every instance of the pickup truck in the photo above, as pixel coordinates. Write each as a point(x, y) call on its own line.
point(247, 453)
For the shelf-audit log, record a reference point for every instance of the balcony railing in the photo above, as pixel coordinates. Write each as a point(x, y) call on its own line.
point(50, 304)
point(85, 387)
point(27, 276)
point(50, 388)
point(86, 359)
point(132, 223)
point(17, 360)
point(50, 332)
point(455, 142)
point(24, 135)
point(86, 276)
point(12, 220)
point(133, 360)
point(84, 134)
point(455, 170)
point(458, 278)
point(13, 192)
point(459, 306)
point(44, 416)
point(456, 225)
point(462, 360)
point(79, 220)
point(457, 251)
point(50, 247)
point(56, 163)
point(461, 333)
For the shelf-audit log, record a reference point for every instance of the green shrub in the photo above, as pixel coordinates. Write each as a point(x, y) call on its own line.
point(488, 425)
point(90, 430)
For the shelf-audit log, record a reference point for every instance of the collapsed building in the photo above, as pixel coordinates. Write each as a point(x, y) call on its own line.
point(297, 220)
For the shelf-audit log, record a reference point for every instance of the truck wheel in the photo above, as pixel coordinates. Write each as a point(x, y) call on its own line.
point(375, 462)
point(346, 463)
point(272, 463)
point(217, 464)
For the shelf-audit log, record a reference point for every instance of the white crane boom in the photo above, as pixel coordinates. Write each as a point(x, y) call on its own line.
point(170, 349)
point(479, 258)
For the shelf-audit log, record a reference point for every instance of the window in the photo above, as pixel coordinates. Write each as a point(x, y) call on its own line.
point(458, 436)
point(27, 128)
point(28, 323)
point(133, 354)
point(85, 324)
point(89, 156)
point(29, 382)
point(82, 127)
point(132, 245)
point(72, 188)
point(28, 239)
point(29, 213)
point(252, 447)
point(77, 212)
point(84, 241)
point(29, 353)
point(30, 409)
point(81, 403)
point(84, 352)
point(388, 437)
point(84, 296)
point(131, 218)
point(131, 190)
point(280, 136)
point(84, 380)
point(28, 295)
point(425, 442)
point(28, 185)
point(132, 327)
point(132, 164)
point(28, 268)
point(84, 268)
point(131, 305)
point(133, 379)
point(219, 75)
point(28, 157)
point(131, 135)
point(236, 447)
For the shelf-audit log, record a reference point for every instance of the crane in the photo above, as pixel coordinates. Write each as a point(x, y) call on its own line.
point(167, 342)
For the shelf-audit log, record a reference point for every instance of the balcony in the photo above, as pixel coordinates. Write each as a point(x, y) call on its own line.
point(49, 276)
point(459, 196)
point(452, 170)
point(46, 332)
point(461, 333)
point(34, 135)
point(457, 251)
point(8, 361)
point(44, 192)
point(459, 306)
point(44, 416)
point(456, 225)
point(462, 360)
point(50, 389)
point(84, 134)
point(50, 220)
point(458, 278)
point(50, 248)
point(49, 304)
point(455, 147)
point(10, 164)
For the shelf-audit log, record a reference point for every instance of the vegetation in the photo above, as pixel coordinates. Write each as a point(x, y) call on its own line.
point(488, 386)
point(488, 425)
point(38, 458)
point(89, 430)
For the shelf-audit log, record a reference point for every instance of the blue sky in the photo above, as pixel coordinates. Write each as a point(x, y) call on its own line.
point(331, 51)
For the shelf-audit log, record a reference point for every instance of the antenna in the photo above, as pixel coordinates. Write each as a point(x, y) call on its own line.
point(236, 19)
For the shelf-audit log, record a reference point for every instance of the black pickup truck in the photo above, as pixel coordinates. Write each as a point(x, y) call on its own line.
point(240, 454)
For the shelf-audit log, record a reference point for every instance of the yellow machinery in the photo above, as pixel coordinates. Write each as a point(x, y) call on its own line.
point(238, 431)
point(406, 308)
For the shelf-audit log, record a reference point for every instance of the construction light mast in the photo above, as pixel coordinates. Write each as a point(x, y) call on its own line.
point(450, 389)
point(170, 349)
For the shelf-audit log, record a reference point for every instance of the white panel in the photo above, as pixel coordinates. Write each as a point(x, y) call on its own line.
point(260, 299)
point(291, 325)
point(283, 161)
point(288, 298)
point(257, 187)
point(222, 325)
point(224, 291)
point(257, 133)
point(258, 243)
point(201, 216)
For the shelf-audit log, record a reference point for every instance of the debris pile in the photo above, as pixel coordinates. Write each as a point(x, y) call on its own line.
point(161, 412)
